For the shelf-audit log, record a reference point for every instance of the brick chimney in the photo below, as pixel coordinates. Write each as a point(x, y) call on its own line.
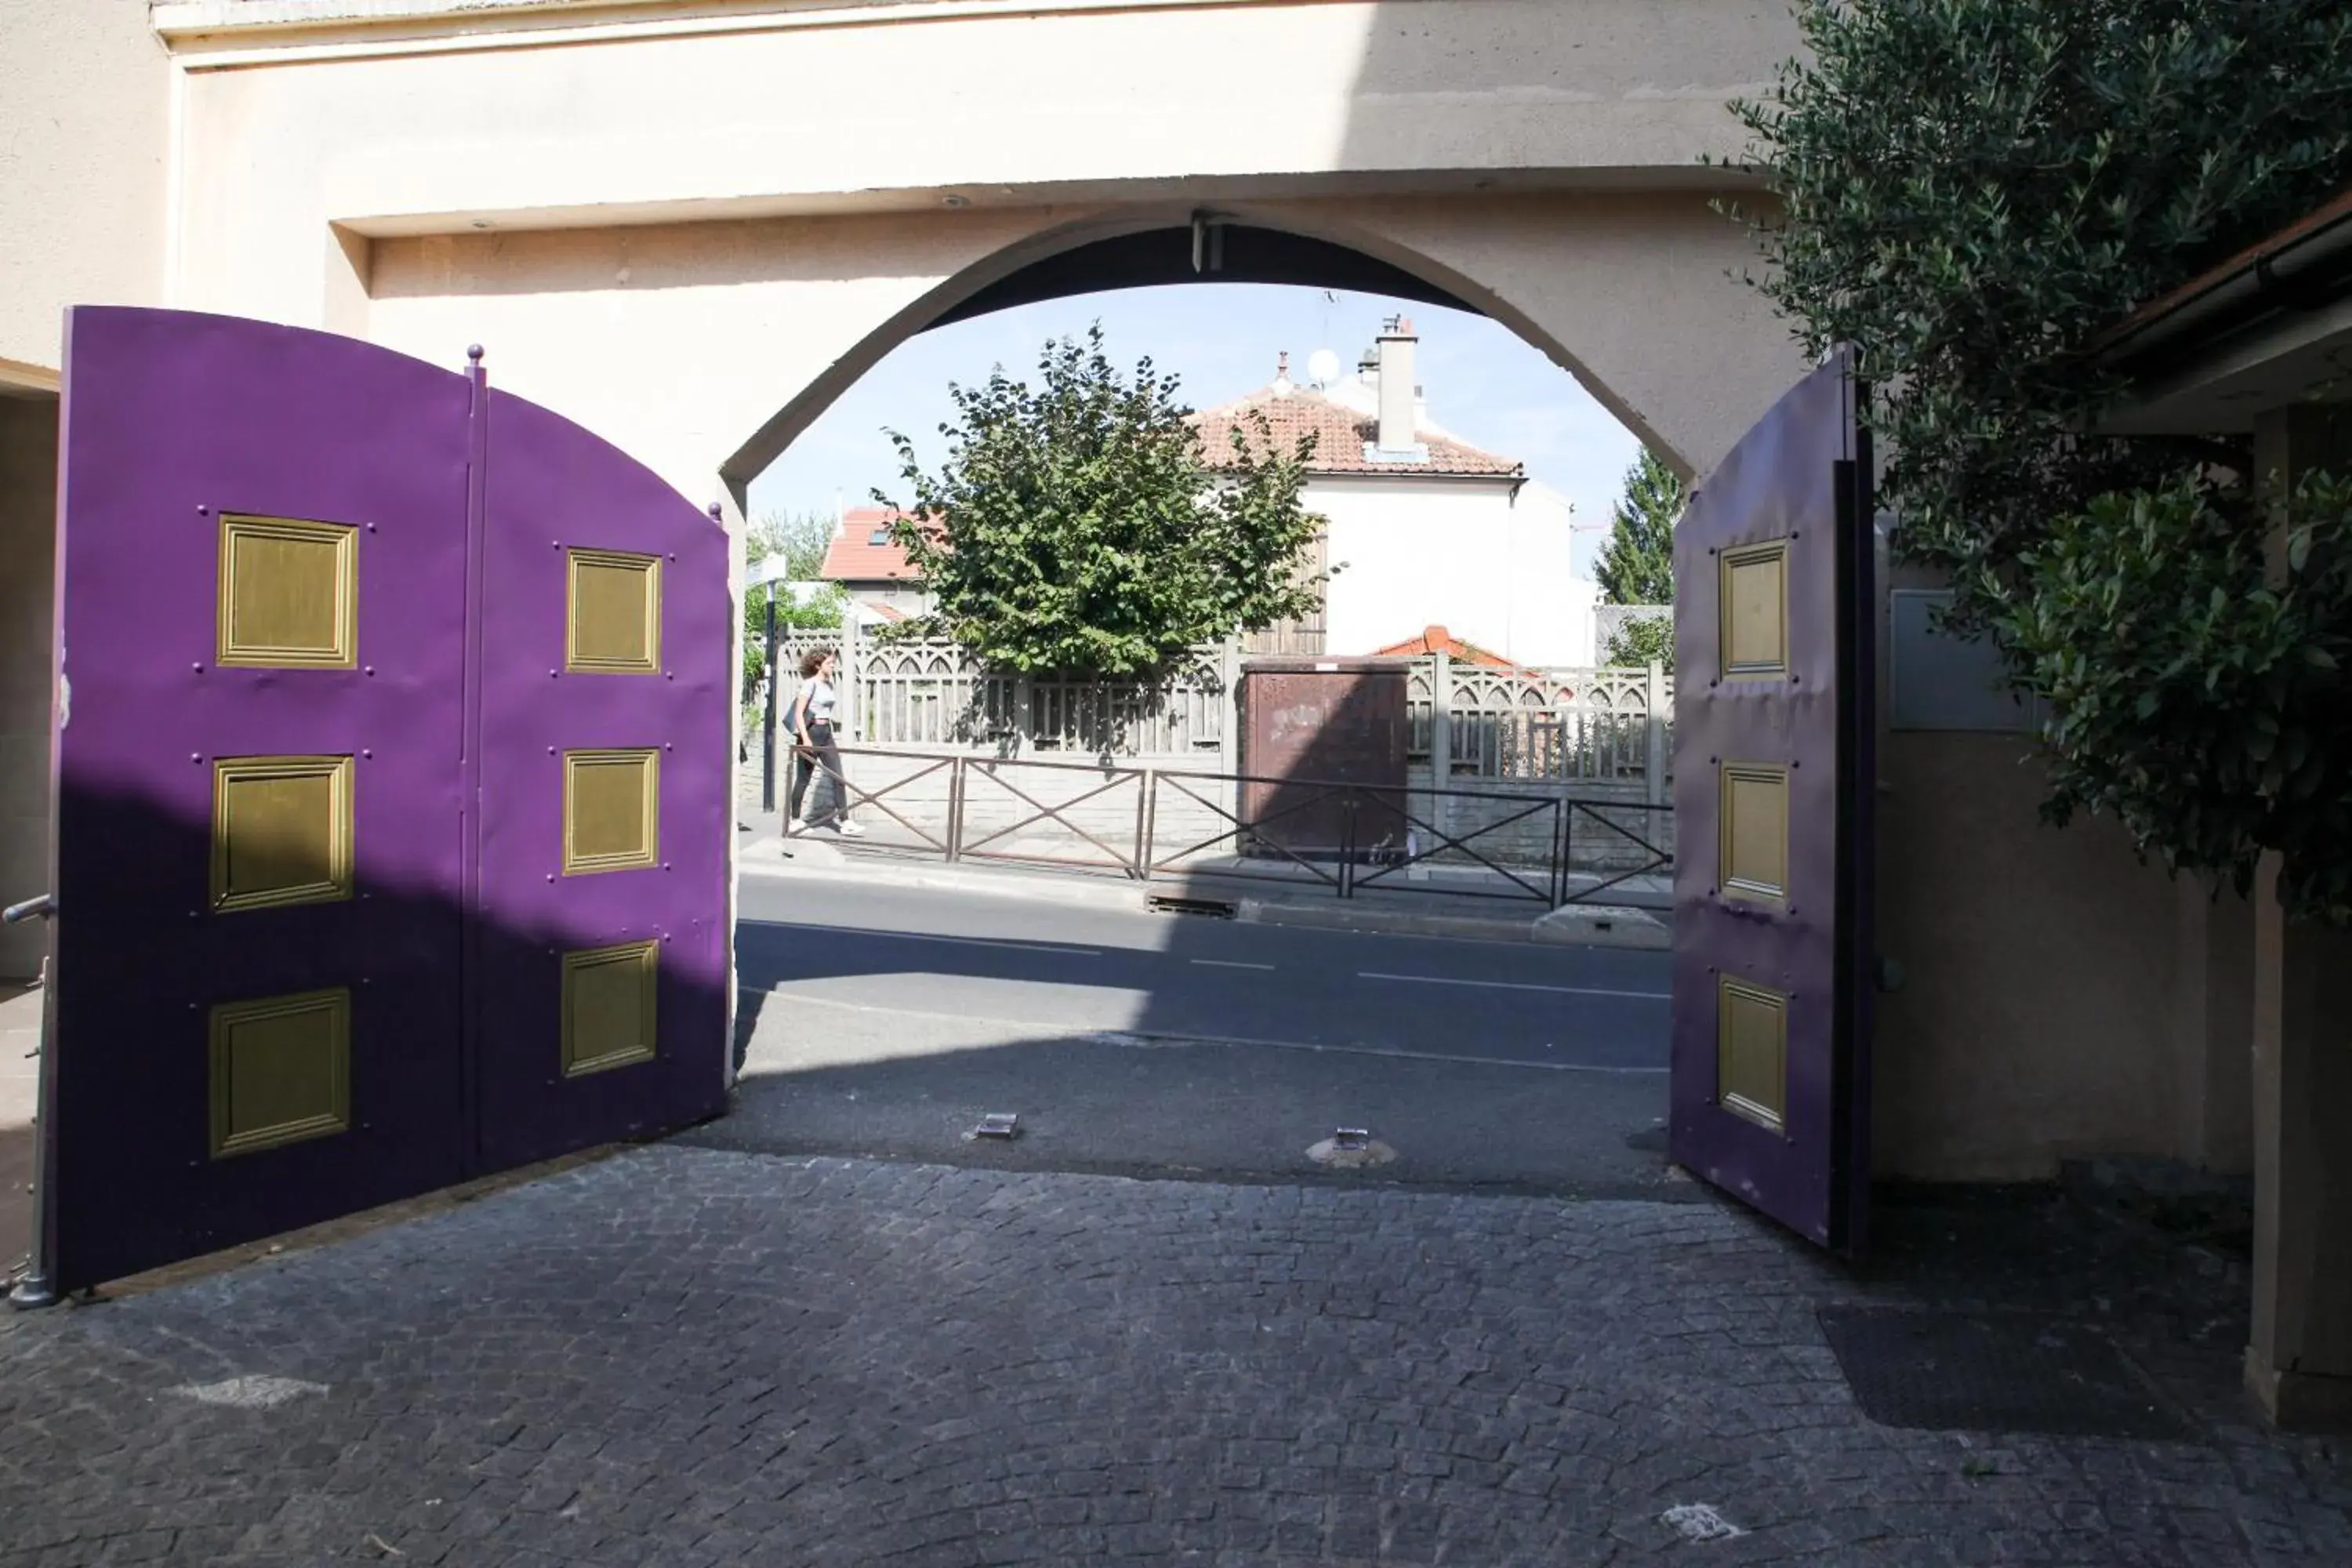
point(1397, 385)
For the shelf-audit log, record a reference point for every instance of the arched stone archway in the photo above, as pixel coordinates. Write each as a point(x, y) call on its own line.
point(707, 347)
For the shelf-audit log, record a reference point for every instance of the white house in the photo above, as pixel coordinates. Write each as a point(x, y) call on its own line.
point(1425, 528)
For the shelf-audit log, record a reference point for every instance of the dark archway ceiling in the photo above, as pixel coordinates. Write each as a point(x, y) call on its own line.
point(1224, 252)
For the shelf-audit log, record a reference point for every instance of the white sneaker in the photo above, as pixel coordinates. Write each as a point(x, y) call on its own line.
point(852, 830)
point(796, 829)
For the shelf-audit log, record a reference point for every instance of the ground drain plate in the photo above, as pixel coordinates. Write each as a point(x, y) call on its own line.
point(1003, 1125)
point(1166, 904)
point(1993, 1373)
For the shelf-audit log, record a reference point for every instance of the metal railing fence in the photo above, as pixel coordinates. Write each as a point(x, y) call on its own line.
point(1146, 823)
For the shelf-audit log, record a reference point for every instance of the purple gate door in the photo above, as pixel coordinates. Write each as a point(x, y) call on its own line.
point(606, 639)
point(1774, 774)
point(258, 715)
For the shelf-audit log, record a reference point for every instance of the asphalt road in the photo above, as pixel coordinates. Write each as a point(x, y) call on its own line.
point(886, 1021)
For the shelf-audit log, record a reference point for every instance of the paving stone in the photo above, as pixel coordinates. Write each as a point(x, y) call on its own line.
point(691, 1356)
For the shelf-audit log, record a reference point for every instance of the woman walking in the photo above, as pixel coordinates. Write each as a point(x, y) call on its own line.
point(813, 745)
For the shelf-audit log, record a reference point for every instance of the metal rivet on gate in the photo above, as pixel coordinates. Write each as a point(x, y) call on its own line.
point(673, 555)
point(204, 511)
point(668, 675)
point(550, 674)
point(664, 865)
point(368, 755)
point(555, 544)
point(667, 747)
point(197, 668)
point(1794, 678)
point(195, 756)
point(370, 528)
point(550, 751)
point(370, 670)
point(550, 876)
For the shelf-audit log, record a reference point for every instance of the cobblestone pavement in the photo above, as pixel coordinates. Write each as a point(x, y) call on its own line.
point(685, 1355)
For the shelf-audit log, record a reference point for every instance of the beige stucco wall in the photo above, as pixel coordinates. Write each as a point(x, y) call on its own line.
point(683, 342)
point(85, 99)
point(2035, 1015)
point(28, 444)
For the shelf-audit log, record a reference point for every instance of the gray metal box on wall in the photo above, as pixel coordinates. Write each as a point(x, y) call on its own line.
point(1938, 681)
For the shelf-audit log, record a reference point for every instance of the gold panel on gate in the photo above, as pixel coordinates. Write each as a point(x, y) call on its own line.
point(612, 810)
point(609, 994)
point(280, 1070)
point(1752, 857)
point(289, 593)
point(1755, 594)
point(1751, 1051)
point(281, 832)
point(613, 622)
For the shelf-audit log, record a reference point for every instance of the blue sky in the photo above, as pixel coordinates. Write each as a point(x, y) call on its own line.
point(1482, 383)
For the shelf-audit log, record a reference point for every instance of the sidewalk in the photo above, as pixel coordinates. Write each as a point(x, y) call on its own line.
point(1448, 905)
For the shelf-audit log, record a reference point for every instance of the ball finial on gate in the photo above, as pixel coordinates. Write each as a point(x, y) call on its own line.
point(473, 353)
point(716, 515)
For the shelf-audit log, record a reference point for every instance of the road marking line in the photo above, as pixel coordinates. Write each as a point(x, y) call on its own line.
point(1135, 1038)
point(1514, 985)
point(1001, 944)
point(1229, 964)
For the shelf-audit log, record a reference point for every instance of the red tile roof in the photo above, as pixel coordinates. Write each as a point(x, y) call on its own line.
point(1340, 435)
point(1437, 639)
point(853, 556)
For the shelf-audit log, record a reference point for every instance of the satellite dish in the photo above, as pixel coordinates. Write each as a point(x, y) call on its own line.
point(1322, 367)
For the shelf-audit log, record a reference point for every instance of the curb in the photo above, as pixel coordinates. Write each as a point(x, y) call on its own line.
point(1087, 894)
point(1576, 925)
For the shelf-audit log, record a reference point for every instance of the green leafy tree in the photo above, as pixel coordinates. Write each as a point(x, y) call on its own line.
point(1077, 527)
point(1638, 642)
point(799, 537)
point(1637, 560)
point(1970, 192)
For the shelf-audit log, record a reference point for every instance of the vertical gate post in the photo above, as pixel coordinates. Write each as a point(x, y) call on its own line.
point(1139, 860)
point(1230, 756)
point(1347, 843)
point(853, 670)
point(768, 724)
point(1441, 737)
point(1150, 820)
point(955, 808)
point(1656, 764)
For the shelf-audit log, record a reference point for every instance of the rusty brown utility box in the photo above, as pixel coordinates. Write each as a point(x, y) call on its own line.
point(1311, 723)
